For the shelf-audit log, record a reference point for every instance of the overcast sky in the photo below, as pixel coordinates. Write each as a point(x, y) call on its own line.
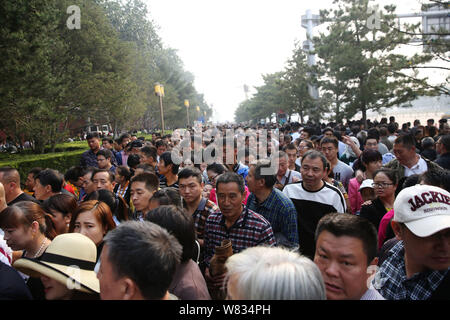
point(229, 43)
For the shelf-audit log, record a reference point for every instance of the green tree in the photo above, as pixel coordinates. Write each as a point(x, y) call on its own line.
point(363, 56)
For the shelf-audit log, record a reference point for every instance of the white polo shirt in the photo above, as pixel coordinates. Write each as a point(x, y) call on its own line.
point(419, 168)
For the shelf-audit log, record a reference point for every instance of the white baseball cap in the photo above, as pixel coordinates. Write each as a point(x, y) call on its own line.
point(424, 209)
point(366, 184)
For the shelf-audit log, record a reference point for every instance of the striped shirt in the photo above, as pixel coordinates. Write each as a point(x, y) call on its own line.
point(205, 208)
point(249, 230)
point(311, 206)
point(280, 212)
point(392, 283)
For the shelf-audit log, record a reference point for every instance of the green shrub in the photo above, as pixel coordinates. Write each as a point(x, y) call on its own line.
point(61, 161)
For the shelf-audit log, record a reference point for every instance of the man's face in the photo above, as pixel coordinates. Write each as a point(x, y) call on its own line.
point(230, 200)
point(328, 134)
point(29, 183)
point(431, 252)
point(110, 288)
point(94, 144)
point(282, 166)
point(190, 189)
point(251, 180)
point(161, 150)
point(371, 144)
point(140, 195)
point(330, 151)
point(292, 156)
point(304, 135)
point(106, 145)
point(404, 154)
point(41, 192)
point(312, 171)
point(87, 183)
point(146, 159)
point(101, 181)
point(343, 264)
point(125, 141)
point(103, 163)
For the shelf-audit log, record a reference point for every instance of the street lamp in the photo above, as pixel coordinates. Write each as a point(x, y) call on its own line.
point(186, 103)
point(159, 91)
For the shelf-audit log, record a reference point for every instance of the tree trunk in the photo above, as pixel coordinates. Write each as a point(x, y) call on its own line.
point(338, 115)
point(364, 115)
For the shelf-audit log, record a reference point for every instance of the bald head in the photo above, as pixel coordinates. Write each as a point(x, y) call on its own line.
point(10, 179)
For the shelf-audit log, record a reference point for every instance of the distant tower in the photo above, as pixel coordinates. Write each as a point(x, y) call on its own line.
point(309, 21)
point(246, 91)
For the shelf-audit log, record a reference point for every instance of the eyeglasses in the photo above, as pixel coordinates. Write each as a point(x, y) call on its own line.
point(213, 178)
point(381, 185)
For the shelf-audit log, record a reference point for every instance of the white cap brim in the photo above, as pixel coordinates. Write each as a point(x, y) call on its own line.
point(430, 225)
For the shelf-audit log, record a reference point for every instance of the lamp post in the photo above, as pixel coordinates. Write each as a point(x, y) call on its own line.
point(186, 103)
point(159, 91)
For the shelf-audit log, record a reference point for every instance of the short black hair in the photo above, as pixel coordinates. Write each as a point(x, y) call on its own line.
point(149, 152)
point(105, 152)
point(313, 154)
point(92, 135)
point(407, 140)
point(370, 155)
point(180, 224)
point(167, 158)
point(35, 171)
point(445, 140)
point(269, 179)
point(133, 160)
point(146, 167)
point(333, 140)
point(190, 172)
point(216, 167)
point(346, 224)
point(111, 175)
point(74, 173)
point(229, 177)
point(125, 172)
point(160, 143)
point(388, 172)
point(167, 196)
point(51, 177)
point(150, 179)
point(146, 253)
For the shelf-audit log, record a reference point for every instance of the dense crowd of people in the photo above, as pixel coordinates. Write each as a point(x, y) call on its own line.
point(324, 211)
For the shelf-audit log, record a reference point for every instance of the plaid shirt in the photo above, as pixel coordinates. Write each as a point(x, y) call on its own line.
point(249, 230)
point(392, 283)
point(280, 211)
point(205, 208)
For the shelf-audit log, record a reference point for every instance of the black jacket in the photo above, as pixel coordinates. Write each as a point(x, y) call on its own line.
point(444, 160)
point(374, 212)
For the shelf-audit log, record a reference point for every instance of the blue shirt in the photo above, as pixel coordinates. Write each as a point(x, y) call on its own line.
point(280, 211)
point(392, 283)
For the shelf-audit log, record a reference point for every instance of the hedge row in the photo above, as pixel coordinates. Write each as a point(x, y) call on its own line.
point(60, 161)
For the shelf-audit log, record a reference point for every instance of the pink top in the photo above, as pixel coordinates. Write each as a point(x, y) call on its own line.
point(212, 195)
point(354, 195)
point(383, 226)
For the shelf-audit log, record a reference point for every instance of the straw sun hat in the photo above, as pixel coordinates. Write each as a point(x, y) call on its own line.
point(69, 259)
